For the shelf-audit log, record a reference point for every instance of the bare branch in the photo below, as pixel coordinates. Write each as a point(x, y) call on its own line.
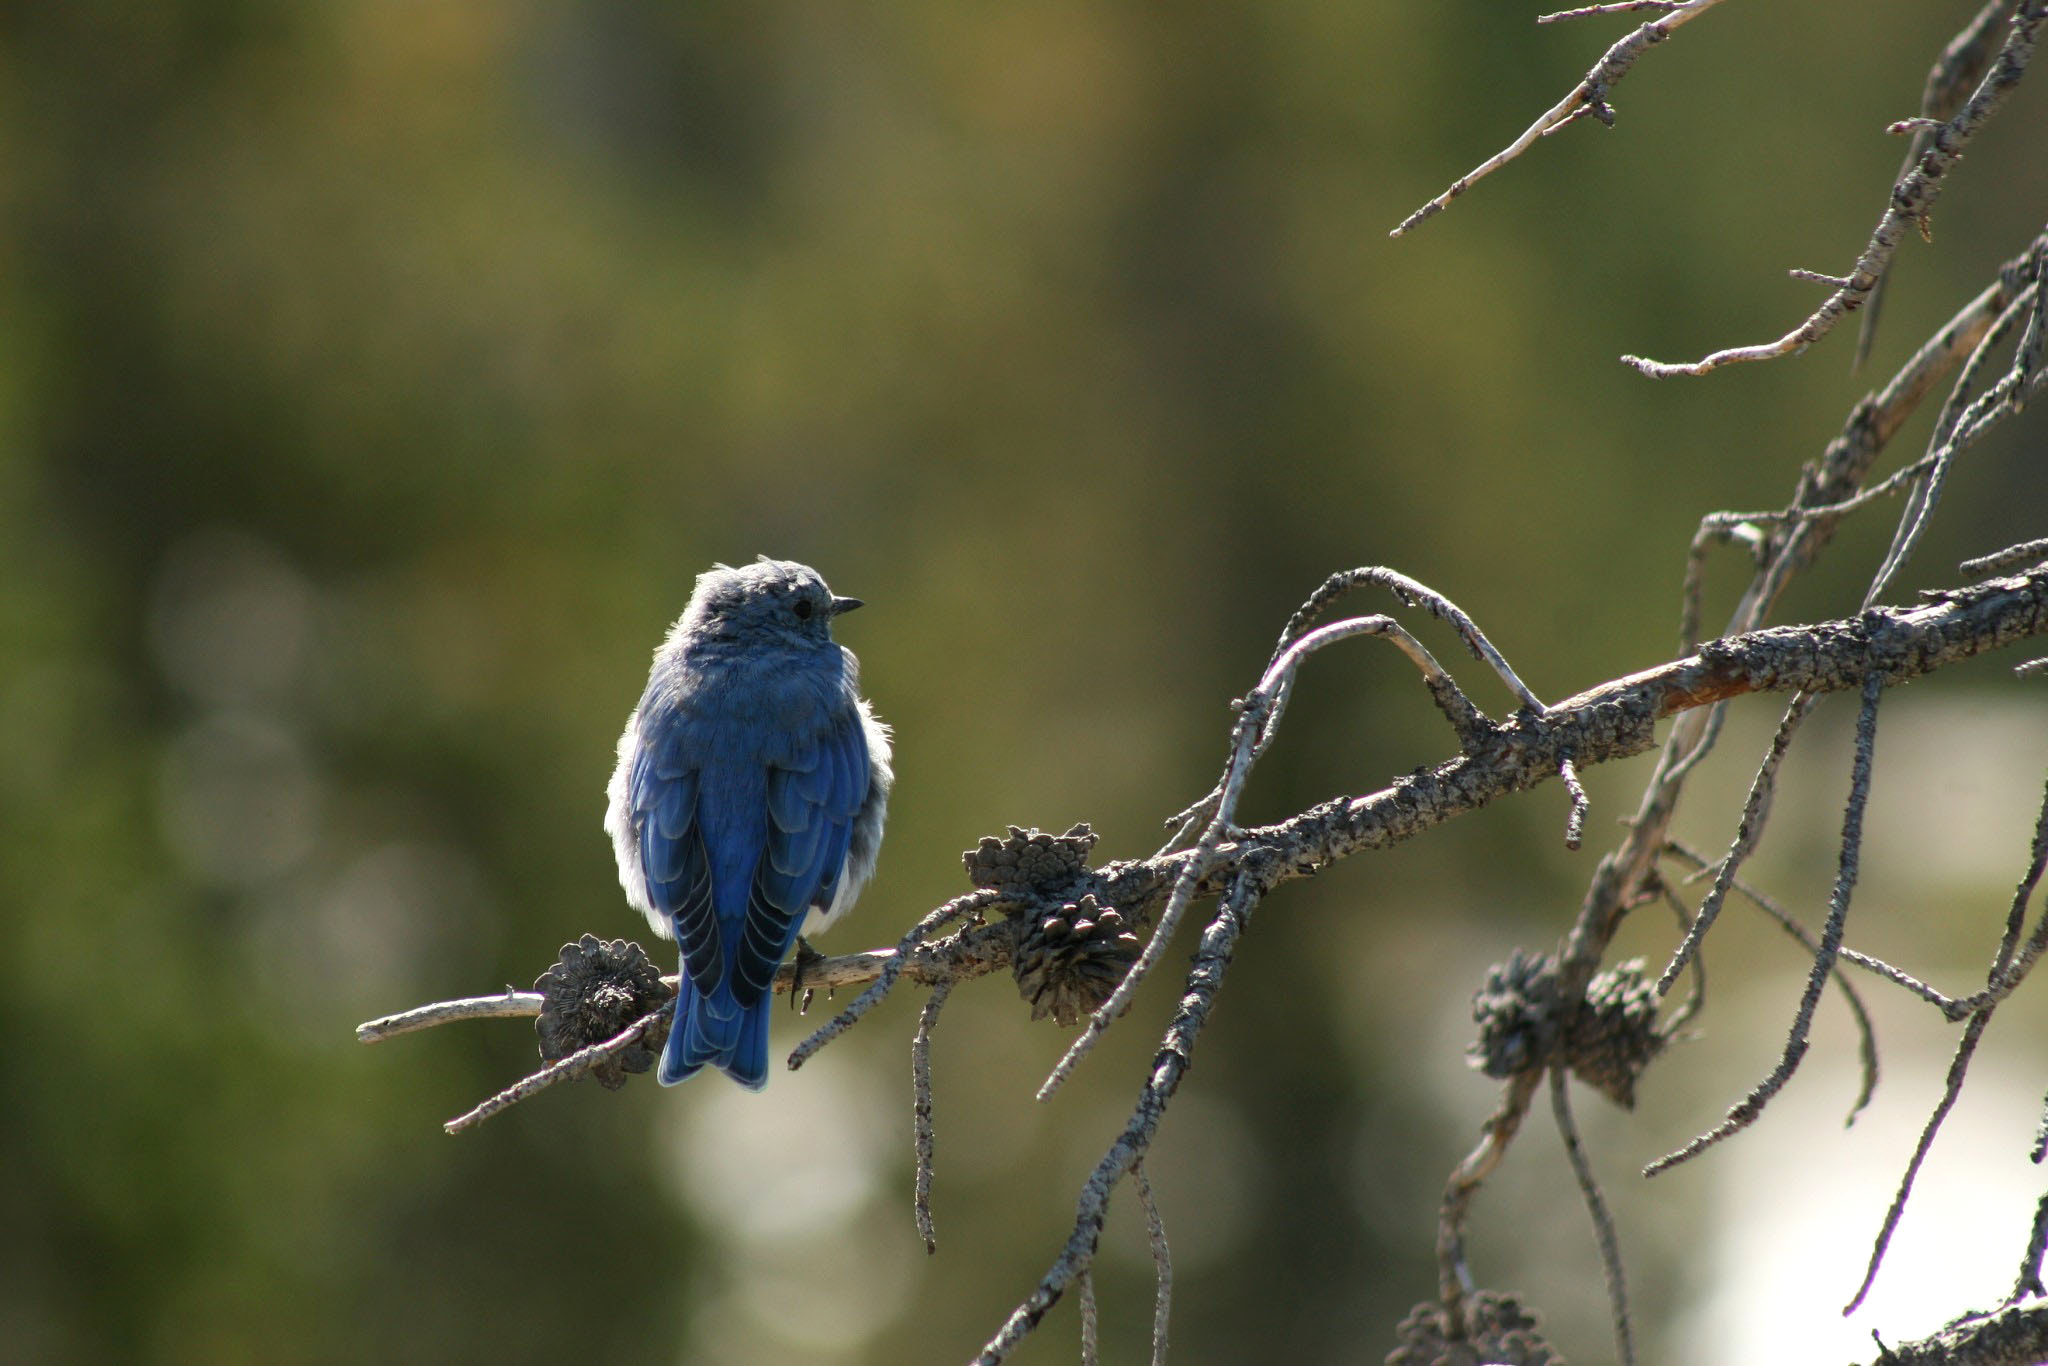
point(1960, 424)
point(1588, 97)
point(1612, 721)
point(1258, 718)
point(1912, 199)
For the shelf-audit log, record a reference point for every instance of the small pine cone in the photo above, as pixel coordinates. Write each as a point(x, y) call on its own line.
point(1616, 1034)
point(1517, 1011)
point(1030, 858)
point(1068, 962)
point(593, 992)
point(1501, 1332)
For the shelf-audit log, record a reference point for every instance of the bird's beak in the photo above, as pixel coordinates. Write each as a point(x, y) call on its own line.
point(842, 605)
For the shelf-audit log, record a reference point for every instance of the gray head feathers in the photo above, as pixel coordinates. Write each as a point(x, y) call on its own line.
point(768, 601)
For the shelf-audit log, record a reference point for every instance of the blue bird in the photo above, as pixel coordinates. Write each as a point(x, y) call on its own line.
point(748, 802)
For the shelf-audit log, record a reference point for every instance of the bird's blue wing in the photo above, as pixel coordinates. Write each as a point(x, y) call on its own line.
point(812, 801)
point(672, 853)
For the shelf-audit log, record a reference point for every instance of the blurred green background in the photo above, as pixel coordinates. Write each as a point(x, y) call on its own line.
point(375, 378)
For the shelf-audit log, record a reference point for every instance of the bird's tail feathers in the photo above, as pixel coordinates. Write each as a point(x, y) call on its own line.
point(718, 1031)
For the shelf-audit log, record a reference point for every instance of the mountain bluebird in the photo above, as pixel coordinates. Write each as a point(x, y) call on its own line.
point(748, 802)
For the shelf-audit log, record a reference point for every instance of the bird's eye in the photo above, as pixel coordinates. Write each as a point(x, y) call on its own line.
point(803, 609)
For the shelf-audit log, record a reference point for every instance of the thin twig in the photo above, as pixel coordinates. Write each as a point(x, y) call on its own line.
point(567, 1069)
point(1756, 810)
point(1954, 74)
point(1957, 427)
point(1966, 1049)
point(1958, 1068)
point(933, 922)
point(1466, 719)
point(1695, 1000)
point(2029, 1279)
point(1743, 1114)
point(1453, 1277)
point(1866, 1031)
point(1949, 1006)
point(1619, 7)
point(1596, 1209)
point(923, 1140)
point(1091, 1351)
point(2021, 556)
point(1589, 96)
point(1162, 1262)
point(1575, 823)
point(509, 1005)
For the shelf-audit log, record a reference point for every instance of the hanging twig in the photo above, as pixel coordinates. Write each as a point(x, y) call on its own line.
point(922, 1137)
point(1596, 1209)
point(1162, 1262)
point(1742, 1115)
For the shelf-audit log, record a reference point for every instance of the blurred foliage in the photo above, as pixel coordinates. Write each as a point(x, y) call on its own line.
point(374, 379)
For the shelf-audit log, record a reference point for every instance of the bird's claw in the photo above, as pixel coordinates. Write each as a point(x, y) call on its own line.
point(805, 956)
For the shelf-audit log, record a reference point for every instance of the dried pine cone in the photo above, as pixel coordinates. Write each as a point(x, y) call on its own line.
point(1030, 859)
point(1609, 1039)
point(1501, 1332)
point(592, 993)
point(1517, 1014)
point(1616, 1033)
point(1069, 961)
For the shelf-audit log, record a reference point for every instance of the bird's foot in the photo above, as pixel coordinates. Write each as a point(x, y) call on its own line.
point(805, 956)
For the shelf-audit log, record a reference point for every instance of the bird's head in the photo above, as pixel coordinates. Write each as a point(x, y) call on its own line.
point(768, 601)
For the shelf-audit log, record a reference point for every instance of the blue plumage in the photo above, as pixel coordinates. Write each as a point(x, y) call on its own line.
point(748, 800)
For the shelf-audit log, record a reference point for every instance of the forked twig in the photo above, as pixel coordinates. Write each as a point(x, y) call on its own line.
point(1911, 200)
point(1258, 718)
